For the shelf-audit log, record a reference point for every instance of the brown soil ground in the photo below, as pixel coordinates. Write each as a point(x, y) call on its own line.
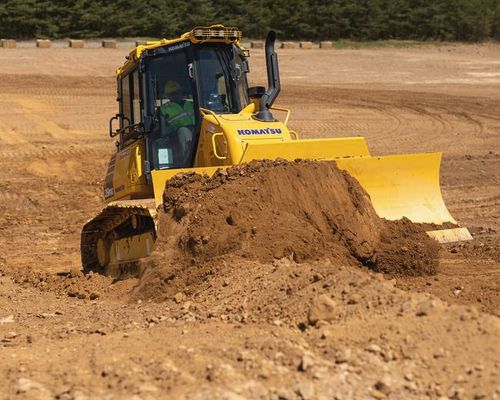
point(261, 319)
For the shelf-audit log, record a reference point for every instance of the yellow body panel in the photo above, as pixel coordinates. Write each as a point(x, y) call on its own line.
point(126, 178)
point(131, 248)
point(233, 134)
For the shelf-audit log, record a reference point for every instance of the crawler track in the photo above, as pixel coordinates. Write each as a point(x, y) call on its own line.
point(115, 222)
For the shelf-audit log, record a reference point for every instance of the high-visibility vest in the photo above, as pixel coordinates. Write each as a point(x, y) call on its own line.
point(177, 115)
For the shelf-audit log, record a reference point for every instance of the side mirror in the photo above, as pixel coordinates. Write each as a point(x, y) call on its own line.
point(114, 132)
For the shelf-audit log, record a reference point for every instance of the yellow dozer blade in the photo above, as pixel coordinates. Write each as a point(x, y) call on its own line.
point(406, 186)
point(399, 185)
point(402, 185)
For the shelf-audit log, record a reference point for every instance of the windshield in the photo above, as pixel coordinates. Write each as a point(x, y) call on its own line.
point(173, 138)
point(221, 80)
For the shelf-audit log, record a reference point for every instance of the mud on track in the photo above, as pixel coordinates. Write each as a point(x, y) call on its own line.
point(255, 327)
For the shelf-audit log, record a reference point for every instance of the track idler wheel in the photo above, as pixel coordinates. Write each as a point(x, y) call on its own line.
point(102, 248)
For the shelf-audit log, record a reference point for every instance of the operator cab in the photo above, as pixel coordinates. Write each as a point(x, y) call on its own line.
point(161, 93)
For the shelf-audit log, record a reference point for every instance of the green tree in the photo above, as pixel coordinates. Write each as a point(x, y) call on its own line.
point(472, 20)
point(495, 25)
point(327, 20)
point(288, 18)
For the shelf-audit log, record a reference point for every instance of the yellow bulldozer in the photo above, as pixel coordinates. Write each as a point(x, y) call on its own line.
point(185, 105)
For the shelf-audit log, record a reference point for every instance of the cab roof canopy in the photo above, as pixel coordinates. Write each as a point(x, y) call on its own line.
point(200, 34)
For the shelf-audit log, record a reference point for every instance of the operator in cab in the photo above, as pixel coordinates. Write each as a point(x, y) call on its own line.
point(179, 114)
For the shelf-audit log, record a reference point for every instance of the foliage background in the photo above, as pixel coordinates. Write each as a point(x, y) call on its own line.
point(464, 20)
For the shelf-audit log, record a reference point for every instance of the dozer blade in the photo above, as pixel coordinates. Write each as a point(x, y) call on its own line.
point(160, 178)
point(399, 185)
point(406, 186)
point(402, 186)
point(307, 148)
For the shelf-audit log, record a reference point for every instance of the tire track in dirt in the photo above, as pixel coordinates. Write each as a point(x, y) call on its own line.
point(38, 84)
point(10, 132)
point(481, 209)
point(398, 123)
point(12, 137)
point(449, 122)
point(15, 201)
point(38, 107)
point(55, 153)
point(35, 111)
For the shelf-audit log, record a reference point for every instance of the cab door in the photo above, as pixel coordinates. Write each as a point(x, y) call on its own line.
point(169, 146)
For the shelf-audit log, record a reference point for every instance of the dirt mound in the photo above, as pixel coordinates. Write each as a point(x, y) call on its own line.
point(267, 210)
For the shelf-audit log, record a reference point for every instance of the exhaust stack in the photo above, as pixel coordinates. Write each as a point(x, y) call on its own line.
point(273, 80)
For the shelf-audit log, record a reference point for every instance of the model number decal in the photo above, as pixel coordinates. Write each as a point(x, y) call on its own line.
point(266, 131)
point(178, 46)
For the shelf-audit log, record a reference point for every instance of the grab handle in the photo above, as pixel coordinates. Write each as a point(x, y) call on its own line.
point(206, 111)
point(288, 112)
point(214, 146)
point(295, 135)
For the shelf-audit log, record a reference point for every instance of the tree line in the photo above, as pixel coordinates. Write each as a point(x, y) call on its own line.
point(463, 20)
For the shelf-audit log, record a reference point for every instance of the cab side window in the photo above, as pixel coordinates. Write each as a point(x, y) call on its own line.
point(125, 105)
point(130, 99)
point(136, 98)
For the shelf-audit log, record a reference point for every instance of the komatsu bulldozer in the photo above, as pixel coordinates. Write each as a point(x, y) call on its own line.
point(185, 105)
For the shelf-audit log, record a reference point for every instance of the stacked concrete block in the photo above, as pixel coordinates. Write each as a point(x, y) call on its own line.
point(109, 44)
point(76, 44)
point(306, 45)
point(326, 44)
point(43, 43)
point(258, 44)
point(8, 43)
point(289, 45)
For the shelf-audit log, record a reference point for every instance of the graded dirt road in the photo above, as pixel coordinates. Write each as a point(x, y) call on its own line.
point(249, 328)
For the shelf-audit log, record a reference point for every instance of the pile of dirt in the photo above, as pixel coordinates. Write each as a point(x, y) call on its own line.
point(304, 211)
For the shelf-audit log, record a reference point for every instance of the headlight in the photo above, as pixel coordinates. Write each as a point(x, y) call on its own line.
point(215, 33)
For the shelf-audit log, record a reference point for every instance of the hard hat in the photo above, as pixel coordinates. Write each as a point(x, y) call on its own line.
point(172, 87)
